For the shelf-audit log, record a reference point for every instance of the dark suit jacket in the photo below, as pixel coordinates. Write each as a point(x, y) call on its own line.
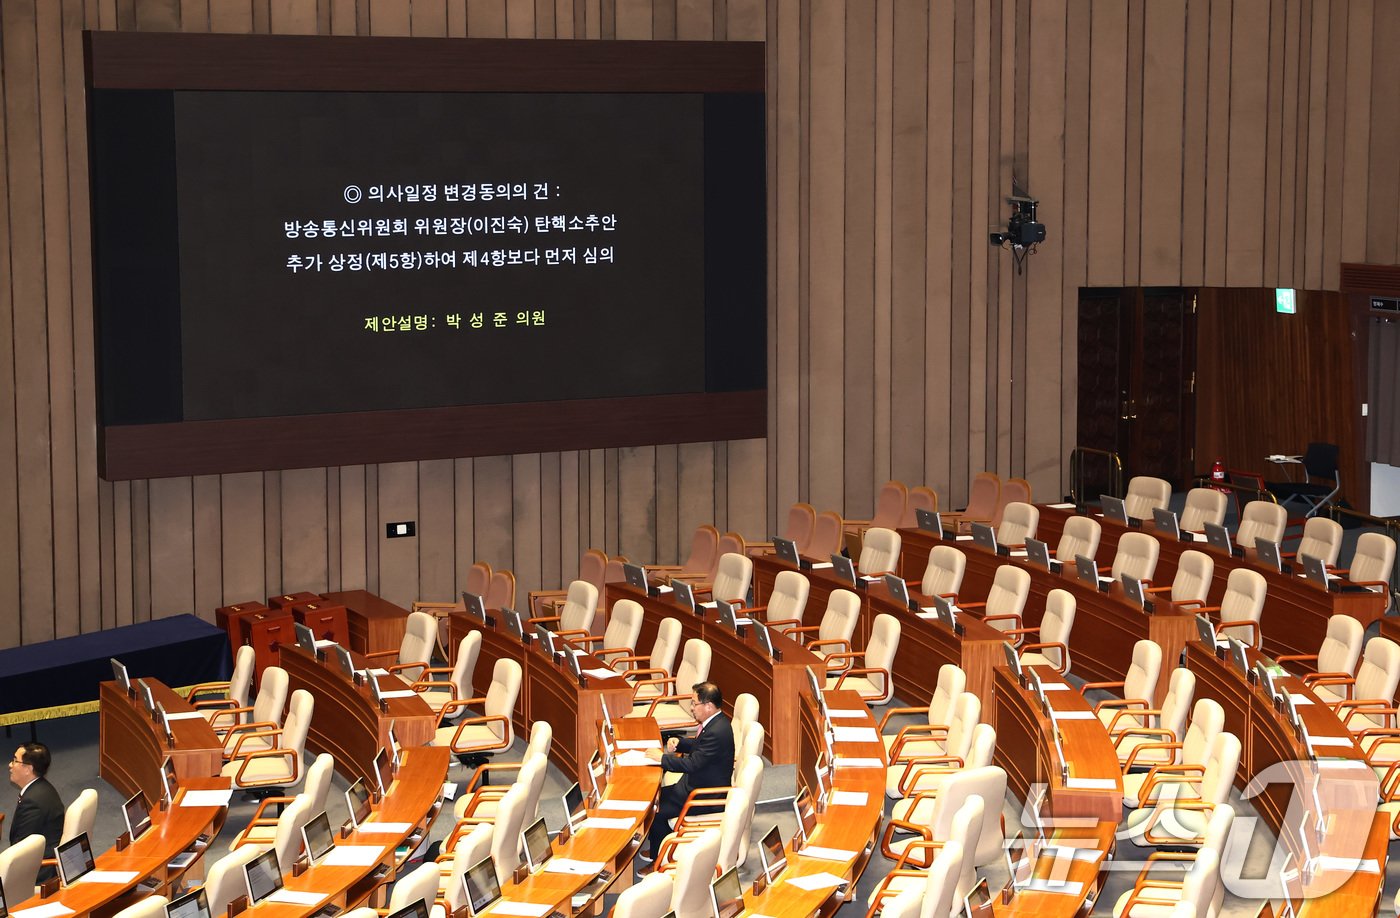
point(40, 812)
point(708, 759)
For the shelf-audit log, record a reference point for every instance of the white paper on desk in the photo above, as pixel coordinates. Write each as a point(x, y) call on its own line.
point(855, 734)
point(185, 715)
point(849, 798)
point(962, 538)
point(401, 693)
point(1055, 686)
point(639, 744)
point(743, 621)
point(633, 757)
point(1328, 862)
point(847, 713)
point(857, 762)
point(606, 822)
point(204, 798)
point(47, 910)
point(819, 565)
point(1316, 741)
point(572, 866)
point(108, 876)
point(817, 881)
point(665, 589)
point(353, 856)
point(523, 909)
point(630, 806)
point(600, 673)
point(1092, 783)
point(322, 645)
point(1064, 852)
point(1061, 887)
point(1073, 715)
point(1060, 506)
point(384, 828)
point(378, 672)
point(826, 854)
point(1300, 700)
point(1018, 553)
point(296, 897)
point(449, 790)
point(709, 605)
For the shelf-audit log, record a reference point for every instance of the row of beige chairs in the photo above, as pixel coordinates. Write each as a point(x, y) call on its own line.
point(21, 862)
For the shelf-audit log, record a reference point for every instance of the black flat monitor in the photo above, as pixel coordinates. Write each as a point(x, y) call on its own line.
point(137, 815)
point(1264, 677)
point(317, 837)
point(843, 568)
point(814, 683)
point(476, 606)
point(1114, 508)
point(727, 618)
point(306, 638)
point(1268, 553)
point(685, 595)
point(636, 576)
point(984, 536)
point(545, 638)
point(120, 674)
point(169, 780)
point(786, 550)
point(929, 521)
point(262, 876)
point(375, 692)
point(1218, 537)
point(74, 859)
point(417, 909)
point(804, 810)
point(357, 802)
point(1038, 553)
point(1166, 522)
point(535, 841)
point(193, 904)
point(1088, 571)
point(347, 663)
point(573, 803)
point(481, 886)
point(772, 854)
point(383, 770)
point(765, 638)
point(163, 721)
point(727, 894)
point(900, 591)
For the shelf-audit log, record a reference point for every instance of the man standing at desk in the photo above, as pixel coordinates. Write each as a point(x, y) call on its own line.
point(39, 810)
point(706, 760)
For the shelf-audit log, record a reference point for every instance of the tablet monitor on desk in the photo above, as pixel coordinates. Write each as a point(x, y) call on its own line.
point(317, 837)
point(147, 699)
point(170, 782)
point(1268, 554)
point(1038, 553)
point(842, 567)
point(191, 905)
point(383, 770)
point(357, 802)
point(306, 638)
point(573, 804)
point(772, 854)
point(726, 894)
point(1013, 662)
point(930, 521)
point(120, 674)
point(636, 575)
point(685, 594)
point(571, 661)
point(1218, 537)
point(137, 815)
point(1086, 568)
point(164, 721)
point(481, 886)
point(900, 591)
point(476, 606)
point(514, 624)
point(943, 610)
point(1238, 655)
point(347, 663)
point(545, 639)
point(1205, 631)
point(418, 909)
point(1114, 509)
point(263, 876)
point(805, 811)
point(535, 841)
point(984, 536)
point(977, 899)
point(1137, 592)
point(786, 550)
point(1315, 570)
point(765, 638)
point(1166, 522)
point(726, 615)
point(74, 859)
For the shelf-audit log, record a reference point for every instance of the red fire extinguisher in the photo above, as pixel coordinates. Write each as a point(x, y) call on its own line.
point(1217, 473)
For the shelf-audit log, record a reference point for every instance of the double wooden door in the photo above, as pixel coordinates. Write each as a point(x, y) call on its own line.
point(1137, 371)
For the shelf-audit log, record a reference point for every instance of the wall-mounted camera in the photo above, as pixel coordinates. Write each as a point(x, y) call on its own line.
point(1023, 231)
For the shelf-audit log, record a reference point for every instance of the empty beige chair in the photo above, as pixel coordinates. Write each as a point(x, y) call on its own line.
point(592, 567)
point(1161, 896)
point(19, 866)
point(1207, 721)
point(438, 691)
point(1018, 523)
point(744, 714)
point(918, 746)
point(1175, 799)
point(920, 498)
point(501, 593)
point(655, 665)
point(149, 907)
point(575, 616)
point(1203, 505)
point(734, 823)
point(419, 886)
point(494, 729)
point(1214, 822)
point(1131, 728)
point(470, 848)
point(650, 898)
point(225, 881)
point(672, 708)
point(731, 582)
point(1337, 657)
point(1052, 649)
point(619, 638)
point(750, 747)
point(704, 550)
point(1146, 494)
point(316, 787)
point(787, 602)
point(536, 747)
point(505, 839)
point(1322, 539)
point(936, 896)
point(983, 499)
point(964, 830)
point(690, 897)
point(1006, 600)
point(943, 575)
point(1373, 563)
point(952, 682)
point(1371, 695)
point(1137, 555)
point(208, 697)
point(1138, 688)
point(987, 782)
point(826, 535)
point(920, 783)
point(285, 837)
point(1261, 520)
point(838, 623)
point(1080, 536)
point(874, 680)
point(482, 805)
point(1238, 614)
point(265, 713)
point(890, 505)
point(879, 553)
point(1190, 586)
point(272, 758)
point(415, 651)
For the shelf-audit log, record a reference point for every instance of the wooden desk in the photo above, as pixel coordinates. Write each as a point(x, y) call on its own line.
point(738, 665)
point(226, 617)
point(172, 831)
point(131, 747)
point(376, 624)
point(547, 692)
point(1296, 613)
point(347, 723)
point(413, 799)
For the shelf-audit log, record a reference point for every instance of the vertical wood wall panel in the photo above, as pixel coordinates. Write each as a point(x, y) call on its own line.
point(1244, 142)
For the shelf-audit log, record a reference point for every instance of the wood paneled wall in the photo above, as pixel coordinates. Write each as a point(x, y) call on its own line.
point(1243, 143)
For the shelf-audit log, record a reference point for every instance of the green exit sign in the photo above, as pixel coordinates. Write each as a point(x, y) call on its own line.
point(1285, 300)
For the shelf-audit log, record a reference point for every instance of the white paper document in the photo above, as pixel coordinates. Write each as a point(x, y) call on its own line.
point(847, 713)
point(1092, 783)
point(820, 565)
point(572, 866)
point(1048, 885)
point(353, 856)
point(295, 897)
point(849, 798)
point(856, 734)
point(523, 909)
point(606, 822)
point(1056, 686)
point(48, 910)
point(322, 645)
point(600, 673)
point(1315, 741)
point(1060, 506)
point(378, 672)
point(1018, 553)
point(184, 715)
point(639, 744)
point(399, 693)
point(962, 538)
point(204, 798)
point(385, 828)
point(630, 806)
point(826, 854)
point(1350, 865)
point(108, 876)
point(817, 881)
point(856, 762)
point(709, 605)
point(633, 757)
point(1299, 700)
point(665, 589)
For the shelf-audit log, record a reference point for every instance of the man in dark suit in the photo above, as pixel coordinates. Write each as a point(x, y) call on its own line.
point(39, 811)
point(706, 760)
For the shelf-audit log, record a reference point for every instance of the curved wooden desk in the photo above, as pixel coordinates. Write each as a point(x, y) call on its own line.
point(346, 722)
point(132, 747)
point(738, 665)
point(173, 831)
point(547, 692)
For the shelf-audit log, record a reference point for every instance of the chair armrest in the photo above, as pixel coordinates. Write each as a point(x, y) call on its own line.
point(891, 712)
point(929, 731)
point(380, 654)
point(915, 770)
point(457, 704)
point(1052, 645)
point(293, 759)
point(396, 668)
point(572, 633)
point(542, 620)
point(1110, 703)
point(1170, 738)
point(780, 623)
point(842, 655)
point(423, 685)
point(504, 743)
point(861, 671)
point(631, 673)
point(232, 713)
point(215, 704)
point(208, 687)
point(832, 642)
point(1143, 712)
point(973, 605)
point(263, 734)
point(1100, 685)
point(1173, 747)
point(703, 797)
